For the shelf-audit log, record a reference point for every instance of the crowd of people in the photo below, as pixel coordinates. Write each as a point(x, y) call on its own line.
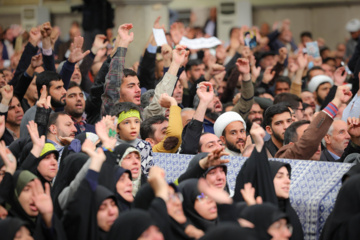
point(78, 132)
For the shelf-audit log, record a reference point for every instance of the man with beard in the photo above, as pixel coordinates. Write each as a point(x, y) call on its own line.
point(336, 140)
point(230, 127)
point(55, 89)
point(75, 107)
point(320, 86)
point(276, 120)
point(255, 115)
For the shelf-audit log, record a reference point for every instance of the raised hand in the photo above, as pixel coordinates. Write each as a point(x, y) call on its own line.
point(157, 24)
point(302, 60)
point(125, 38)
point(258, 134)
point(167, 101)
point(248, 194)
point(179, 54)
point(177, 31)
point(34, 36)
point(107, 134)
point(55, 33)
point(8, 158)
point(44, 100)
point(158, 183)
point(342, 95)
point(97, 157)
point(340, 76)
point(205, 91)
point(166, 53)
point(2, 125)
point(283, 52)
point(243, 65)
point(220, 196)
point(76, 53)
point(100, 42)
point(354, 129)
point(6, 93)
point(46, 30)
point(38, 142)
point(269, 74)
point(42, 201)
point(36, 61)
point(214, 158)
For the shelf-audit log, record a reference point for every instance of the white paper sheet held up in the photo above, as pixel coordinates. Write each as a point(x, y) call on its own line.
point(159, 36)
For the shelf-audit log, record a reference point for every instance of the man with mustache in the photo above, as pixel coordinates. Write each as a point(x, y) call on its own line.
point(336, 140)
point(230, 127)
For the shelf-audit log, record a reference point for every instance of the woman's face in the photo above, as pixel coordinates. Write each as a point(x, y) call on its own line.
point(282, 183)
point(132, 162)
point(107, 214)
point(26, 202)
point(152, 233)
point(280, 230)
point(206, 207)
point(124, 187)
point(23, 234)
point(174, 206)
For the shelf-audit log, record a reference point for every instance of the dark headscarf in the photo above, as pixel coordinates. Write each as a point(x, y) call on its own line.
point(108, 177)
point(143, 200)
point(354, 170)
point(284, 204)
point(10, 226)
point(189, 190)
point(262, 216)
point(21, 179)
point(130, 225)
point(230, 231)
point(344, 221)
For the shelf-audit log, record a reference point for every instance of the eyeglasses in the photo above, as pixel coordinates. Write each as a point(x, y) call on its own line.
point(202, 197)
point(176, 197)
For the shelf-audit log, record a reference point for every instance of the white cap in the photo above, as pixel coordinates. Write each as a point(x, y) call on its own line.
point(317, 80)
point(225, 119)
point(353, 25)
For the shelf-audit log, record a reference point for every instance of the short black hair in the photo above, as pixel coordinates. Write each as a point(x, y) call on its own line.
point(45, 78)
point(306, 34)
point(290, 132)
point(74, 84)
point(283, 79)
point(312, 69)
point(123, 107)
point(146, 128)
point(129, 72)
point(274, 110)
point(232, 30)
point(325, 60)
point(193, 62)
point(52, 119)
point(145, 98)
point(291, 99)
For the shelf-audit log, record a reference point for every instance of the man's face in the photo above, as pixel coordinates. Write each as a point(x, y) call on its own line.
point(130, 90)
point(282, 87)
point(129, 129)
point(267, 61)
point(216, 177)
point(209, 142)
point(31, 92)
point(65, 127)
point(75, 102)
point(308, 97)
point(355, 35)
point(15, 113)
point(76, 76)
point(339, 139)
point(196, 72)
point(215, 105)
point(235, 136)
point(256, 114)
point(299, 112)
point(322, 91)
point(328, 69)
point(160, 131)
point(178, 92)
point(57, 93)
point(48, 167)
point(279, 124)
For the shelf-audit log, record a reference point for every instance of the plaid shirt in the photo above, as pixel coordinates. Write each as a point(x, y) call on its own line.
point(113, 80)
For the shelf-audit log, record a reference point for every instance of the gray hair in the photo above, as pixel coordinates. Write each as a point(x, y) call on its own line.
point(145, 98)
